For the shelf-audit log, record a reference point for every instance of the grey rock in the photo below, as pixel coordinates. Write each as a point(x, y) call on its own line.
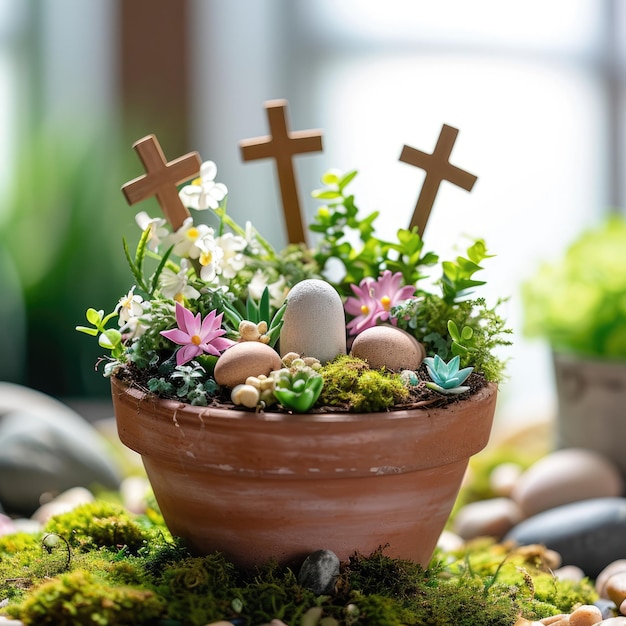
point(590, 534)
point(45, 447)
point(319, 572)
point(607, 608)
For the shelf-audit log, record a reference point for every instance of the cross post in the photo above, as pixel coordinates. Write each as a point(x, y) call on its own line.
point(438, 168)
point(161, 179)
point(281, 145)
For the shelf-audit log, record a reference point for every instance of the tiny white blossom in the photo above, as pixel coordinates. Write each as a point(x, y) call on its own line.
point(233, 259)
point(175, 285)
point(187, 238)
point(277, 289)
point(129, 306)
point(204, 193)
point(156, 226)
point(210, 259)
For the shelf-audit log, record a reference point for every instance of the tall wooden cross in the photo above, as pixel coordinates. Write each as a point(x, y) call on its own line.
point(161, 179)
point(282, 145)
point(438, 168)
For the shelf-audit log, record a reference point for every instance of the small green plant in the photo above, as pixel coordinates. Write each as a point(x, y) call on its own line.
point(577, 301)
point(298, 386)
point(447, 378)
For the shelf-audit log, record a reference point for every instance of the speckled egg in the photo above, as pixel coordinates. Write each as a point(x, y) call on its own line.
point(388, 346)
point(248, 358)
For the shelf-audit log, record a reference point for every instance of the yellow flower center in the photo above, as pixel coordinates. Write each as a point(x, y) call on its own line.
point(179, 298)
point(386, 302)
point(196, 340)
point(193, 233)
point(197, 181)
point(206, 258)
point(365, 309)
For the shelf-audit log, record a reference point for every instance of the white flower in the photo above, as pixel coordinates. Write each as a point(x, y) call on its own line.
point(175, 285)
point(210, 259)
point(187, 239)
point(155, 224)
point(233, 259)
point(129, 306)
point(251, 239)
point(204, 193)
point(277, 290)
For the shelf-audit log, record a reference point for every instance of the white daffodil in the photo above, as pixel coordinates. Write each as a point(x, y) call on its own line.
point(187, 238)
point(175, 285)
point(204, 193)
point(155, 224)
point(233, 260)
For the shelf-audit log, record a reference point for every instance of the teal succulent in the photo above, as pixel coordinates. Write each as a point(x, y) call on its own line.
point(297, 387)
point(447, 377)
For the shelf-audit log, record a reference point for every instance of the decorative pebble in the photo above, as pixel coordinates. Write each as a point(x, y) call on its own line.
point(7, 526)
point(449, 541)
point(607, 608)
point(612, 621)
point(63, 503)
point(504, 477)
point(565, 476)
point(487, 518)
point(585, 615)
point(134, 491)
point(616, 588)
point(249, 358)
point(569, 572)
point(588, 534)
point(616, 567)
point(388, 346)
point(47, 447)
point(314, 323)
point(319, 572)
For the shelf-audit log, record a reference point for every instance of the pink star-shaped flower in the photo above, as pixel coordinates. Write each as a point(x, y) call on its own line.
point(197, 336)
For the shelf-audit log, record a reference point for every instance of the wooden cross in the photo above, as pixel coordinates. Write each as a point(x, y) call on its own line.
point(282, 145)
point(161, 179)
point(437, 168)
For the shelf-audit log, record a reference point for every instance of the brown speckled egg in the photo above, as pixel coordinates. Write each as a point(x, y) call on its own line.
point(248, 358)
point(388, 346)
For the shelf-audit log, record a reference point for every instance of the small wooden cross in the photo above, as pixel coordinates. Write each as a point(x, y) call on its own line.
point(282, 145)
point(437, 167)
point(161, 179)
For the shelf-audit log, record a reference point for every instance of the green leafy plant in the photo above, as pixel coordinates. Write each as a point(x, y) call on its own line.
point(207, 284)
point(577, 301)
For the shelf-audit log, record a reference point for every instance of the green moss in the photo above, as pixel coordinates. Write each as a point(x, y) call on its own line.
point(349, 382)
point(83, 598)
point(49, 581)
point(98, 525)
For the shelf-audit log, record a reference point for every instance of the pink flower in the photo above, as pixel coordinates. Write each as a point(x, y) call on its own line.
point(375, 299)
point(388, 293)
point(364, 307)
point(197, 335)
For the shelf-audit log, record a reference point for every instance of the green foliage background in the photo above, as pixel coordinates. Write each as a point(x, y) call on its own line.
point(61, 238)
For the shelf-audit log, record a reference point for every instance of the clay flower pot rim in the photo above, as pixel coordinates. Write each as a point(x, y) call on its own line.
point(239, 413)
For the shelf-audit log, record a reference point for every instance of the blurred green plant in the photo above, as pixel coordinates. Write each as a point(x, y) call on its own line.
point(578, 303)
point(61, 229)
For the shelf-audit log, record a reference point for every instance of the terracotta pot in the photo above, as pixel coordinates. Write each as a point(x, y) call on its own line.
point(273, 486)
point(591, 396)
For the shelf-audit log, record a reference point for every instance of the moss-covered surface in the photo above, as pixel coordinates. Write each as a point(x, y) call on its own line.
point(99, 565)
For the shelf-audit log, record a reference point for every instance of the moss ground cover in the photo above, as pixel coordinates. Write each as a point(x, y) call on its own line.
point(100, 565)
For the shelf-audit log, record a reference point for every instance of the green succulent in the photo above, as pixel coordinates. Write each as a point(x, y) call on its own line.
point(297, 387)
point(447, 377)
